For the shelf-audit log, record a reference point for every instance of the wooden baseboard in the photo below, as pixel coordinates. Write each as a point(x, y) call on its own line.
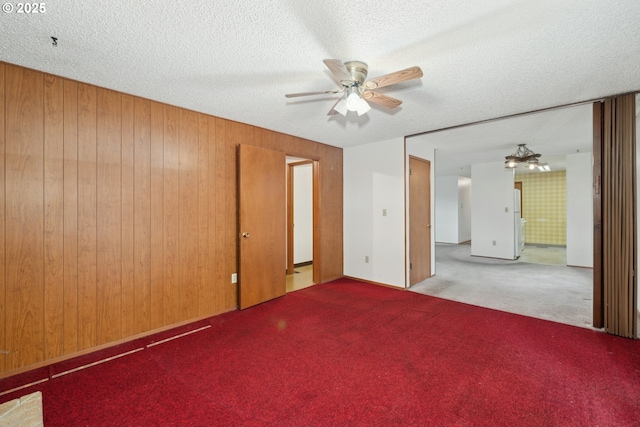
point(106, 350)
point(371, 282)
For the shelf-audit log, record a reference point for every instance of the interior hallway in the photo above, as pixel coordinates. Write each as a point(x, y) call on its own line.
point(302, 278)
point(538, 284)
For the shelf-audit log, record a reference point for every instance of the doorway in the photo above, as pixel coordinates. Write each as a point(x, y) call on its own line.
point(262, 212)
point(300, 223)
point(557, 134)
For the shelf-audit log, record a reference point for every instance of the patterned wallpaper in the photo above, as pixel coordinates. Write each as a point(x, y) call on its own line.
point(544, 206)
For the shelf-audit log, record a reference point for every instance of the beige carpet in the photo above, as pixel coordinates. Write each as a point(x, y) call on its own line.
point(544, 290)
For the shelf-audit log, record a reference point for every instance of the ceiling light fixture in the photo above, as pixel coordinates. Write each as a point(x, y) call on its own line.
point(352, 101)
point(524, 155)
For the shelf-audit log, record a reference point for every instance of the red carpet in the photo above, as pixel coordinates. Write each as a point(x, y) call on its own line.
point(353, 354)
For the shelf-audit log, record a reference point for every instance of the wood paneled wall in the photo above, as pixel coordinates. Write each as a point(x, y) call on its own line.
point(118, 215)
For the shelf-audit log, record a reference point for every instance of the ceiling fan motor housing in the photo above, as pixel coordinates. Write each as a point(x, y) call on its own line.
point(357, 70)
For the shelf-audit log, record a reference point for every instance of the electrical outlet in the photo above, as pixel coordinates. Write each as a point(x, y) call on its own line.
point(234, 278)
point(366, 259)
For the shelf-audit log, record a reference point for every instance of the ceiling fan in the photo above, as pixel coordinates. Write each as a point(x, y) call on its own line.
point(357, 91)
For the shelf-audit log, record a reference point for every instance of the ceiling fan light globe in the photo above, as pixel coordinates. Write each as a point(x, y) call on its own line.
point(353, 101)
point(341, 107)
point(363, 107)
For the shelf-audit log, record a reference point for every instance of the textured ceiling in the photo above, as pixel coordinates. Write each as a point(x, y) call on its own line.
point(553, 134)
point(237, 59)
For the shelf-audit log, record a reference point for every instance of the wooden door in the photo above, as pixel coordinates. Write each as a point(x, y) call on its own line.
point(262, 221)
point(419, 220)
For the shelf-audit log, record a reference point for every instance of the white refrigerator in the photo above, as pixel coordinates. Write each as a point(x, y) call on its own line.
point(518, 225)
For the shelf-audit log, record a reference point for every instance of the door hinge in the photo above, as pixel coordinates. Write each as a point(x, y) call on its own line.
point(410, 172)
point(410, 265)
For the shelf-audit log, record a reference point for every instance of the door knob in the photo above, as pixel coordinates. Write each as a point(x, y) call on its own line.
point(245, 235)
point(428, 225)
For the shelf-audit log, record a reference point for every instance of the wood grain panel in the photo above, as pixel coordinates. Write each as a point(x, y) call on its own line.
point(213, 286)
point(128, 220)
point(171, 215)
point(87, 256)
point(109, 216)
point(225, 291)
point(142, 215)
point(270, 139)
point(70, 303)
point(260, 137)
point(331, 216)
point(3, 306)
point(24, 217)
point(157, 214)
point(53, 216)
point(205, 290)
point(188, 177)
point(128, 207)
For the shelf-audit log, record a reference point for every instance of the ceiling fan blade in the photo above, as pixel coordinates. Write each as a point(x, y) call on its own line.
point(326, 92)
point(338, 69)
point(393, 78)
point(380, 99)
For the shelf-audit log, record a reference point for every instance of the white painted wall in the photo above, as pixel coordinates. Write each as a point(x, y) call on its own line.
point(453, 209)
point(417, 148)
point(580, 210)
point(303, 213)
point(464, 212)
point(373, 181)
point(493, 205)
point(446, 200)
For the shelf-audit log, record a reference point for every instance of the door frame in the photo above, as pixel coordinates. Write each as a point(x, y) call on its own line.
point(290, 209)
point(316, 216)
